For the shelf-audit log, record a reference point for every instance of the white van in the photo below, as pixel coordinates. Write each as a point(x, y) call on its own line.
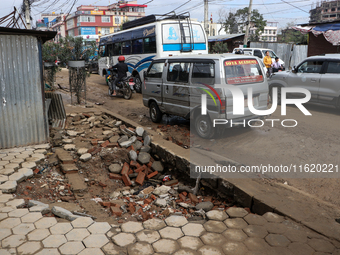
point(175, 85)
point(260, 53)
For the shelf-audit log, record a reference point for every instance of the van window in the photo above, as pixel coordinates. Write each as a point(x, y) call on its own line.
point(258, 53)
point(203, 73)
point(271, 53)
point(155, 70)
point(310, 66)
point(242, 71)
point(333, 67)
point(178, 72)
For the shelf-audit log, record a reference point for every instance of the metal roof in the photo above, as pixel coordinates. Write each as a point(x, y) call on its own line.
point(44, 35)
point(219, 38)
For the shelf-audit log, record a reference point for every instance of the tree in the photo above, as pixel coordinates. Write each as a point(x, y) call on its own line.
point(237, 22)
point(289, 35)
point(220, 47)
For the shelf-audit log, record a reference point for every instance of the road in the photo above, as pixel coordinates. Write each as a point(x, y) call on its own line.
point(315, 140)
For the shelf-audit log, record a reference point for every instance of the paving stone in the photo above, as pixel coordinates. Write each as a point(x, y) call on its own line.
point(300, 248)
point(190, 242)
point(193, 229)
point(38, 234)
point(99, 228)
point(154, 224)
point(17, 213)
point(31, 217)
point(112, 249)
point(4, 162)
point(161, 202)
point(214, 226)
point(3, 179)
point(45, 222)
point(176, 221)
point(217, 215)
point(149, 236)
point(10, 223)
point(236, 235)
point(277, 240)
point(27, 172)
point(235, 223)
point(321, 245)
point(7, 209)
point(30, 165)
point(91, 251)
point(17, 203)
point(132, 227)
point(82, 222)
point(3, 216)
point(7, 171)
point(256, 244)
point(235, 248)
point(77, 234)
point(213, 239)
point(48, 252)
point(171, 233)
point(67, 141)
point(275, 228)
point(45, 146)
point(253, 219)
point(273, 217)
point(41, 209)
point(124, 239)
point(71, 248)
point(82, 151)
point(255, 231)
point(165, 246)
point(8, 158)
point(29, 248)
point(5, 198)
point(85, 157)
point(35, 203)
point(140, 249)
point(185, 252)
point(41, 151)
point(95, 241)
point(17, 161)
point(209, 250)
point(23, 229)
point(54, 241)
point(296, 235)
point(235, 212)
point(67, 147)
point(4, 232)
point(280, 251)
point(8, 187)
point(13, 241)
point(61, 228)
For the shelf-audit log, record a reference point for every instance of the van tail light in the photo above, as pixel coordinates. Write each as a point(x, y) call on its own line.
point(223, 106)
point(131, 80)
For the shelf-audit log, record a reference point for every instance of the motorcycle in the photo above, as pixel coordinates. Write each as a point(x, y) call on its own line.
point(123, 87)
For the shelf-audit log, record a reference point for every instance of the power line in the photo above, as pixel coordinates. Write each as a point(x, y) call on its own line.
point(295, 6)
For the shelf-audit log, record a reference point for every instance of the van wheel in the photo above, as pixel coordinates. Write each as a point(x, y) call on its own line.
point(138, 84)
point(155, 113)
point(204, 127)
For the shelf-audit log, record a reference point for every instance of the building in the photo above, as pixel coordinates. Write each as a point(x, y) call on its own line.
point(91, 22)
point(325, 11)
point(232, 40)
point(59, 26)
point(269, 34)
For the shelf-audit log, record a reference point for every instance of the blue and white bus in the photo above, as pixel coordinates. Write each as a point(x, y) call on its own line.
point(147, 38)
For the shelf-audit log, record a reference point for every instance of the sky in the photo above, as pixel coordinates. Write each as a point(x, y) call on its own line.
point(272, 10)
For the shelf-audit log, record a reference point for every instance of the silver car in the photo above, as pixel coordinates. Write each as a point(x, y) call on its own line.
point(318, 74)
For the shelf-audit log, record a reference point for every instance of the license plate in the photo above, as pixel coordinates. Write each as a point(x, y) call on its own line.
point(131, 83)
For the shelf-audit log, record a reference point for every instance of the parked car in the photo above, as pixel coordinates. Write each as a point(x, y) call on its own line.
point(319, 74)
point(92, 65)
point(174, 85)
point(260, 53)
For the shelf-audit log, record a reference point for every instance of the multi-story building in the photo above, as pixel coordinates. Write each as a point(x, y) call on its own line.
point(325, 11)
point(59, 26)
point(269, 34)
point(91, 22)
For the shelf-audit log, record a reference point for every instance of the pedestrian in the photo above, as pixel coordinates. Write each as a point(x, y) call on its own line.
point(276, 65)
point(267, 60)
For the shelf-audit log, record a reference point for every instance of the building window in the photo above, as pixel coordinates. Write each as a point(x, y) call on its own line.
point(105, 30)
point(269, 32)
point(117, 20)
point(86, 19)
point(326, 10)
point(70, 23)
point(106, 19)
point(333, 10)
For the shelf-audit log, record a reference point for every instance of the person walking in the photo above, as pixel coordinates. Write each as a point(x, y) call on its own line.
point(267, 60)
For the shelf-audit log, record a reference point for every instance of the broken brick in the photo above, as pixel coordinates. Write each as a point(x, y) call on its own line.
point(207, 199)
point(134, 164)
point(193, 198)
point(149, 164)
point(153, 197)
point(131, 208)
point(130, 172)
point(116, 211)
point(184, 193)
point(94, 142)
point(140, 169)
point(115, 176)
point(106, 204)
point(171, 183)
point(125, 169)
point(26, 193)
point(105, 144)
point(91, 150)
point(36, 171)
point(87, 115)
point(152, 175)
point(96, 150)
point(182, 197)
point(112, 145)
point(126, 180)
point(102, 184)
point(147, 201)
point(140, 178)
point(29, 187)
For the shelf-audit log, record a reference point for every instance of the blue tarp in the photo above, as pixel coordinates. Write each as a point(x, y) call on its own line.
point(326, 27)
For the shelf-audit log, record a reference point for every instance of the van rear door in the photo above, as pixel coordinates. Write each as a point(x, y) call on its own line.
point(152, 87)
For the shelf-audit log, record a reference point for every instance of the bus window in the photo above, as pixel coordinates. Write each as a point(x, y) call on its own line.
point(109, 50)
point(137, 46)
point(117, 49)
point(102, 51)
point(150, 45)
point(126, 48)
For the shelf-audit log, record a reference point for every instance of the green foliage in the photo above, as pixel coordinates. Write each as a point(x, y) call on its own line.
point(238, 21)
point(292, 36)
point(50, 51)
point(220, 47)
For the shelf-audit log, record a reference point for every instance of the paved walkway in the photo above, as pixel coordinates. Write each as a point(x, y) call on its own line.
point(231, 232)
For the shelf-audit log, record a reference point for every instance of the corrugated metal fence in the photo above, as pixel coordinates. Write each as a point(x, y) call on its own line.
point(22, 109)
point(291, 54)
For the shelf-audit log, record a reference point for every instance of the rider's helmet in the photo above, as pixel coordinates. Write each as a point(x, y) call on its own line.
point(121, 58)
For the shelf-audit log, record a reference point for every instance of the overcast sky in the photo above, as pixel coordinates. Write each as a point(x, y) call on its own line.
point(272, 10)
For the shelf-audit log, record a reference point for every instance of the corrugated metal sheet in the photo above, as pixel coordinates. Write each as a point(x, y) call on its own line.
point(22, 107)
point(56, 111)
point(291, 54)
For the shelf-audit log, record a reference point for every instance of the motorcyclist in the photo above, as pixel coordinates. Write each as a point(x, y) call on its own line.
point(122, 69)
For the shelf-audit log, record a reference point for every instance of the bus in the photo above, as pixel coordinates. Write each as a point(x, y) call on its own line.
point(151, 37)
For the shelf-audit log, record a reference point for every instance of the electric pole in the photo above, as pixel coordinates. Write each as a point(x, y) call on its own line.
point(27, 14)
point(206, 22)
point(248, 25)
